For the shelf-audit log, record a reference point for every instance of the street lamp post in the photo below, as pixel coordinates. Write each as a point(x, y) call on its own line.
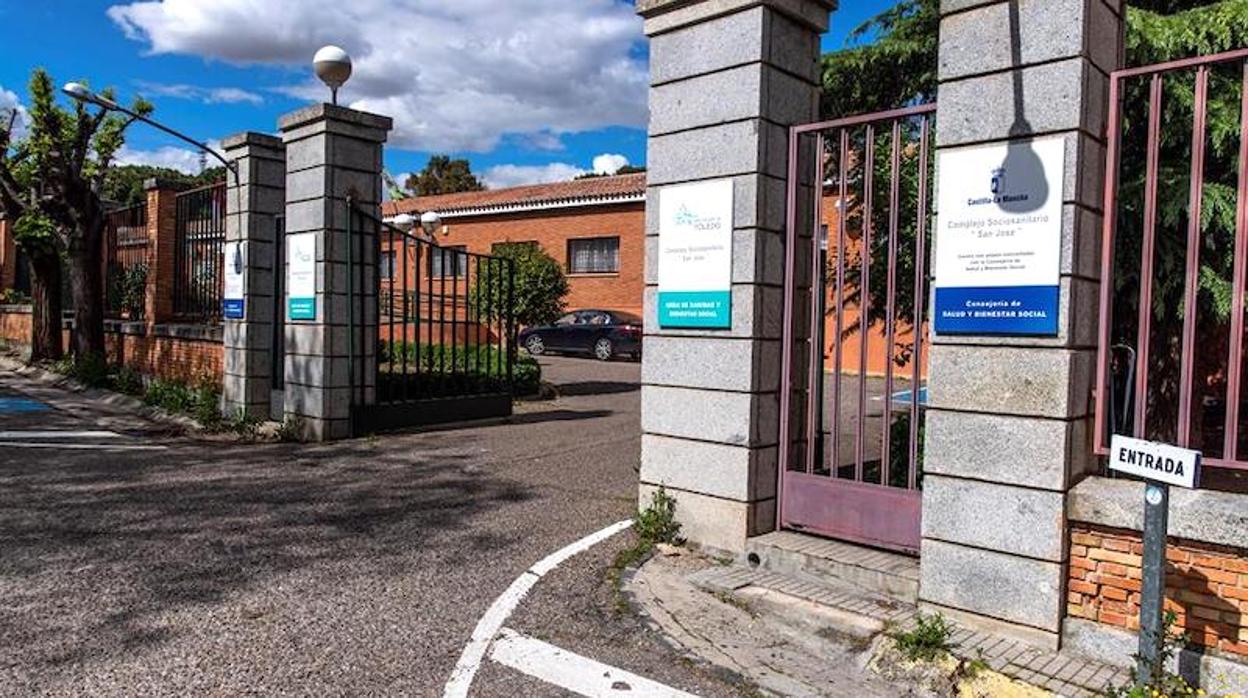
point(80, 92)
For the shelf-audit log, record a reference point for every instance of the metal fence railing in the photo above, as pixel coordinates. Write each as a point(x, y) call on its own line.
point(445, 322)
point(125, 263)
point(198, 247)
point(1170, 363)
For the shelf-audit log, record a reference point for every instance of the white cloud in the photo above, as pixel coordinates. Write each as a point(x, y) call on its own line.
point(207, 95)
point(181, 159)
point(10, 102)
point(503, 176)
point(456, 75)
point(609, 163)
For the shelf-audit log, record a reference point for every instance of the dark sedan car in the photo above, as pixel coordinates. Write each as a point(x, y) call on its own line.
point(601, 333)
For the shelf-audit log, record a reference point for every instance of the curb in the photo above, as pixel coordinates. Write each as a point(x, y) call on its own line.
point(100, 395)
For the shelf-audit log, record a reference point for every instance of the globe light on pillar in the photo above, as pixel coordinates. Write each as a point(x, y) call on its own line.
point(333, 67)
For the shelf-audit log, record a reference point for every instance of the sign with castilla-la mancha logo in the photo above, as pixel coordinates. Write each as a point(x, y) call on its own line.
point(999, 238)
point(695, 255)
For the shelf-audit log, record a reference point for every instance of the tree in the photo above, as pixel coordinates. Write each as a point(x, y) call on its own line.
point(625, 170)
point(123, 184)
point(895, 70)
point(540, 286)
point(51, 183)
point(442, 175)
point(902, 68)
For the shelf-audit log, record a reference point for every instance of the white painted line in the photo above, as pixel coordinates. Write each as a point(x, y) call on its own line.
point(81, 447)
point(572, 672)
point(489, 625)
point(4, 435)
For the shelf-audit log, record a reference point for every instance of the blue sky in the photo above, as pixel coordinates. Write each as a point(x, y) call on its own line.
point(526, 89)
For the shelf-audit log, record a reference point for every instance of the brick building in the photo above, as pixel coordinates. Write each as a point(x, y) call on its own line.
point(594, 228)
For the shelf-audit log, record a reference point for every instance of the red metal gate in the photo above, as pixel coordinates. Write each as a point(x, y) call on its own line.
point(856, 276)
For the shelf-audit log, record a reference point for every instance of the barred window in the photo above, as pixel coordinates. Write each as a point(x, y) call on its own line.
point(594, 256)
point(387, 264)
point(448, 261)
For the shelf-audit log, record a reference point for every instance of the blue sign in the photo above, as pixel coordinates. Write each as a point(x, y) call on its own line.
point(998, 240)
point(301, 308)
point(1003, 310)
point(233, 308)
point(695, 309)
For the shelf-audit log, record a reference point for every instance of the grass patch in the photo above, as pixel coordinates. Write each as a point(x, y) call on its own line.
point(930, 638)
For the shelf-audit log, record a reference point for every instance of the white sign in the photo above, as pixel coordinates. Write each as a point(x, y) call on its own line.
point(301, 276)
point(999, 238)
point(695, 255)
point(1154, 461)
point(235, 263)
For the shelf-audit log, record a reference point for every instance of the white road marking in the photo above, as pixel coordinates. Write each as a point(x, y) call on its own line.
point(81, 447)
point(572, 672)
point(489, 625)
point(6, 435)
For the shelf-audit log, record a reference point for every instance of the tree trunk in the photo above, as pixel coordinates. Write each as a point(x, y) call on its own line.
point(45, 320)
point(87, 289)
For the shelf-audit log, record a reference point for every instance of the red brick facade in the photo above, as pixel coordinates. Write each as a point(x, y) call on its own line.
point(189, 361)
point(552, 230)
point(1206, 585)
point(8, 255)
point(553, 215)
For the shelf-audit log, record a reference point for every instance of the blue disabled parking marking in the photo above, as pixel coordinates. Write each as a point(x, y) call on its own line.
point(21, 405)
point(905, 396)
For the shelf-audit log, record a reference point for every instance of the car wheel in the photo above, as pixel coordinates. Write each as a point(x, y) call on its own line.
point(535, 346)
point(604, 350)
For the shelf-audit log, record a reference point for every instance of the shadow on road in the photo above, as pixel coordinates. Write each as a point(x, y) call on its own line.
point(97, 549)
point(597, 388)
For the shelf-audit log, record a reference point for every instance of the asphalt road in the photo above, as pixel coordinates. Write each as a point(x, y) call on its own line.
point(356, 568)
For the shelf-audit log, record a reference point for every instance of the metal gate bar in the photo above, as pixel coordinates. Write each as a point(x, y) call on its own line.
point(814, 495)
point(1145, 380)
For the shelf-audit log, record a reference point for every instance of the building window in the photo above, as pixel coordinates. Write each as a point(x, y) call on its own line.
point(386, 264)
point(594, 256)
point(448, 261)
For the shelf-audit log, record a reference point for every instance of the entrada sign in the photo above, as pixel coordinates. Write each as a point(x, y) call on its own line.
point(1154, 461)
point(233, 302)
point(301, 276)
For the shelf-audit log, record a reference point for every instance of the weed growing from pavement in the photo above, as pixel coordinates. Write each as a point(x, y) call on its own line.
point(655, 524)
point(291, 429)
point(1161, 682)
point(930, 638)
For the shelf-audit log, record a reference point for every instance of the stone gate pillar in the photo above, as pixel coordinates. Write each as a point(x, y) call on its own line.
point(254, 200)
point(1008, 430)
point(331, 153)
point(728, 77)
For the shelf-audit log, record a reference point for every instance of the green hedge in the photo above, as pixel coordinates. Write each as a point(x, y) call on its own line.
point(440, 368)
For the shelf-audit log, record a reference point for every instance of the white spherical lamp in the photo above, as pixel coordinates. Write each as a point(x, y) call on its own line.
point(333, 67)
point(404, 222)
point(429, 221)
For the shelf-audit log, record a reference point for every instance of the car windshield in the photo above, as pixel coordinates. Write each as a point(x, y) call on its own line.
point(568, 319)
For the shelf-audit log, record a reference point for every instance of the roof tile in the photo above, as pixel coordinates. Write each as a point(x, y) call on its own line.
point(580, 189)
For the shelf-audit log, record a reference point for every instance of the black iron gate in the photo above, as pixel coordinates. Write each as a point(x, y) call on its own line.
point(443, 322)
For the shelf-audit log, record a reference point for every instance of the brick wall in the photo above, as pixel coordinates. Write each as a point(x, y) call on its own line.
point(1206, 585)
point(8, 255)
point(552, 229)
point(15, 324)
point(160, 352)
